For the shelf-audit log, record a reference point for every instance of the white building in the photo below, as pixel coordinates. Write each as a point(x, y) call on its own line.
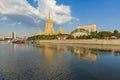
point(89, 27)
point(84, 30)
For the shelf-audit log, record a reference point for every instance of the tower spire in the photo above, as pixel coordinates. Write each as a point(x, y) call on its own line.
point(49, 15)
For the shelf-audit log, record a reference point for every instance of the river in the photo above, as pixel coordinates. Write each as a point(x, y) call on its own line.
point(57, 62)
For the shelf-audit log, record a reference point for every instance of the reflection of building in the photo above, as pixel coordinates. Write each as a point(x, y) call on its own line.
point(52, 61)
point(49, 28)
point(2, 37)
point(84, 53)
point(14, 48)
point(49, 52)
point(84, 30)
point(61, 48)
point(13, 35)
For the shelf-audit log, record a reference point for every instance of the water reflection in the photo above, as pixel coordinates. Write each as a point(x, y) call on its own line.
point(69, 66)
point(88, 53)
point(54, 62)
point(62, 48)
point(49, 52)
point(58, 62)
point(117, 53)
point(14, 48)
point(84, 53)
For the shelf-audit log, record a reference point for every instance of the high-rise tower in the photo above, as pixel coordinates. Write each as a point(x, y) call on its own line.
point(13, 35)
point(49, 29)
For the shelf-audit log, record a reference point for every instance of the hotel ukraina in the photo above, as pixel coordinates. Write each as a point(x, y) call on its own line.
point(81, 29)
point(49, 28)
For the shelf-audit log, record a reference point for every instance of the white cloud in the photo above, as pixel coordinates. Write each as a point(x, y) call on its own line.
point(17, 7)
point(13, 24)
point(70, 23)
point(59, 13)
point(4, 18)
point(18, 23)
point(77, 19)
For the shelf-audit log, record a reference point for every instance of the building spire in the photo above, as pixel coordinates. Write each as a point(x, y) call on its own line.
point(49, 15)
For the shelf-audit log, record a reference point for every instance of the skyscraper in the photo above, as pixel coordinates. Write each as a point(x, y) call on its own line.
point(49, 29)
point(13, 35)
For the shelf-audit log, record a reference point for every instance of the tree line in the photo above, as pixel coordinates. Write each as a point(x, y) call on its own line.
point(97, 35)
point(49, 37)
point(103, 34)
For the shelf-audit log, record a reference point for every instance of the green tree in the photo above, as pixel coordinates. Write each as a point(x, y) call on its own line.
point(116, 33)
point(104, 34)
point(94, 34)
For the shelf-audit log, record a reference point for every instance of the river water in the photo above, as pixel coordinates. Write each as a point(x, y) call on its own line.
point(57, 62)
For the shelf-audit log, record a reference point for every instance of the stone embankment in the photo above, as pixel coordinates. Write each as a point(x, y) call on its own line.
point(113, 45)
point(91, 42)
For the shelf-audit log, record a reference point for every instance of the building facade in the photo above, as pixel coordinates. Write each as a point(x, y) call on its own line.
point(13, 35)
point(89, 27)
point(79, 32)
point(49, 28)
point(84, 30)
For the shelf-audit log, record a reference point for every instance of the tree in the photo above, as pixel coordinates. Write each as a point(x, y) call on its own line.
point(116, 33)
point(94, 34)
point(104, 34)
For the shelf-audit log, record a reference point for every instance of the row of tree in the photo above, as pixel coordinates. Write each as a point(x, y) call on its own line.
point(103, 34)
point(98, 35)
point(49, 37)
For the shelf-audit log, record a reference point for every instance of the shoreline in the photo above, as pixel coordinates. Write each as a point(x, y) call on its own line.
point(107, 45)
point(82, 42)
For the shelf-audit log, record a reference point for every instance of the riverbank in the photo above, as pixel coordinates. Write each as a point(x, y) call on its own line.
point(102, 45)
point(88, 42)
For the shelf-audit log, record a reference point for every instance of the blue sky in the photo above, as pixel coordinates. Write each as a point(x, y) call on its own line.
point(104, 13)
point(27, 17)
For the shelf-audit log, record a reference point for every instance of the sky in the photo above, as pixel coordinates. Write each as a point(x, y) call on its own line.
point(27, 17)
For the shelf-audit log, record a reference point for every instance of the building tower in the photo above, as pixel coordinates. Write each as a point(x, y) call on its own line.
point(60, 31)
point(49, 29)
point(13, 35)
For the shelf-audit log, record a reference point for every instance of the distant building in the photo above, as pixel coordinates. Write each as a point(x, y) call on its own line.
point(84, 30)
point(2, 37)
point(13, 35)
point(79, 32)
point(60, 31)
point(49, 28)
point(89, 27)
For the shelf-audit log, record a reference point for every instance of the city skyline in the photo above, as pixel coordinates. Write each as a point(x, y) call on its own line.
point(27, 17)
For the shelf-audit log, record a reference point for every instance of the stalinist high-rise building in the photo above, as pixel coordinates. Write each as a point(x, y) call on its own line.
point(49, 28)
